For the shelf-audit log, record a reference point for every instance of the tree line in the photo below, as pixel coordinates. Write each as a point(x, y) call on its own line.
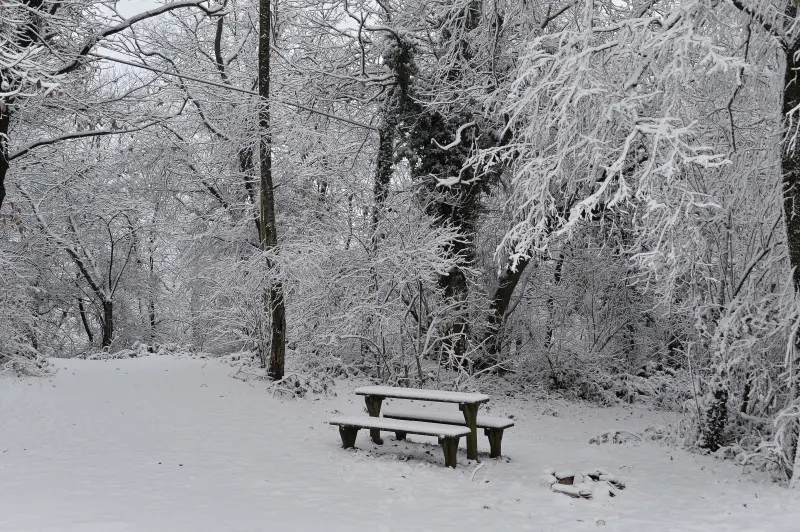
point(596, 197)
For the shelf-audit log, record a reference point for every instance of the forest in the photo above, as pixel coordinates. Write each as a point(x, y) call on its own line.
point(591, 198)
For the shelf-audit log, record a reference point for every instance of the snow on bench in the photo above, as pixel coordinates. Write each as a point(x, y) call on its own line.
point(447, 434)
point(493, 426)
point(396, 425)
point(421, 394)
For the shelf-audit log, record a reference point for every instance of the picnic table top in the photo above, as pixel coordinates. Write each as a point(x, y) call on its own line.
point(420, 394)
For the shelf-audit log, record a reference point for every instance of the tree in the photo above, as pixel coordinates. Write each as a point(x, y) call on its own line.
point(274, 304)
point(44, 47)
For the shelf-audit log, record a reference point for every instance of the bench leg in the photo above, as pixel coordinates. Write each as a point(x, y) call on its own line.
point(400, 435)
point(450, 448)
point(348, 435)
point(374, 409)
point(495, 441)
point(471, 417)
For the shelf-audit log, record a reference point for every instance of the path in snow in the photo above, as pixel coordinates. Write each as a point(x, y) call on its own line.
point(166, 444)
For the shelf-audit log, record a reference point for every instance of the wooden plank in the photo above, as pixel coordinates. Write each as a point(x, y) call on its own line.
point(420, 394)
point(395, 425)
point(454, 418)
point(470, 412)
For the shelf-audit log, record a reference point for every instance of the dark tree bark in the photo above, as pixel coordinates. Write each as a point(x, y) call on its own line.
point(397, 106)
point(506, 285)
point(151, 304)
point(551, 301)
point(383, 172)
point(456, 206)
point(273, 296)
point(248, 170)
point(85, 321)
point(790, 170)
point(5, 121)
point(108, 323)
point(790, 158)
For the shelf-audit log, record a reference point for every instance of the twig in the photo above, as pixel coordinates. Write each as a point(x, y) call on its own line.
point(475, 471)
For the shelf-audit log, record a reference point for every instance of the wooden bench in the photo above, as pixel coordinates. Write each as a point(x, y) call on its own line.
point(468, 404)
point(448, 434)
point(493, 427)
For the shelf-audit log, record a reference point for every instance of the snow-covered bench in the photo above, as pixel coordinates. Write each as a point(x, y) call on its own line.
point(448, 434)
point(493, 427)
point(468, 404)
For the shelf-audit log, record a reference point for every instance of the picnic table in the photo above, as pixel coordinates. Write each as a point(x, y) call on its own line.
point(468, 403)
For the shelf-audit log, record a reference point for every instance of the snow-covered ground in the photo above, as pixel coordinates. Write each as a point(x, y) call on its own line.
point(167, 444)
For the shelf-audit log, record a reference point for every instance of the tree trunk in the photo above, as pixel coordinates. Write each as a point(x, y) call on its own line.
point(383, 172)
point(794, 482)
point(5, 120)
point(108, 323)
point(790, 170)
point(396, 106)
point(790, 159)
point(273, 296)
point(506, 285)
point(85, 321)
point(151, 297)
point(548, 341)
point(247, 168)
point(456, 292)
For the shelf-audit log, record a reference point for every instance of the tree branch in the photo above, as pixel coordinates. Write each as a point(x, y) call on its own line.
point(113, 30)
point(84, 134)
point(237, 89)
point(65, 246)
point(759, 17)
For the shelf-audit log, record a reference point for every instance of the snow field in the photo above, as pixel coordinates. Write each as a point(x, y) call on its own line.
point(168, 444)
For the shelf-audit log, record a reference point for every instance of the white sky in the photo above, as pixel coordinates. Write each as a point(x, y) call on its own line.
point(132, 7)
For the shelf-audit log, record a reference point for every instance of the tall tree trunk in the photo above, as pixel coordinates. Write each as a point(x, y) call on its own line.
point(458, 205)
point(548, 341)
point(273, 296)
point(506, 284)
point(152, 281)
point(397, 105)
point(790, 170)
point(248, 170)
point(151, 304)
point(5, 120)
point(108, 323)
point(383, 172)
point(85, 321)
point(790, 158)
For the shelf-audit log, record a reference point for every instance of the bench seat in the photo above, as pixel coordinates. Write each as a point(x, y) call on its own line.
point(493, 426)
point(448, 435)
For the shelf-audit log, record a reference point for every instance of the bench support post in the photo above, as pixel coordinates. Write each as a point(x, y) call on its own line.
point(374, 409)
point(400, 435)
point(450, 448)
point(471, 418)
point(495, 441)
point(348, 435)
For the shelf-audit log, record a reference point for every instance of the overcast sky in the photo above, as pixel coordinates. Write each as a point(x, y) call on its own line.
point(132, 7)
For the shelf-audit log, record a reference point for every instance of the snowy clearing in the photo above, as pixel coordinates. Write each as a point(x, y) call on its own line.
point(167, 444)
